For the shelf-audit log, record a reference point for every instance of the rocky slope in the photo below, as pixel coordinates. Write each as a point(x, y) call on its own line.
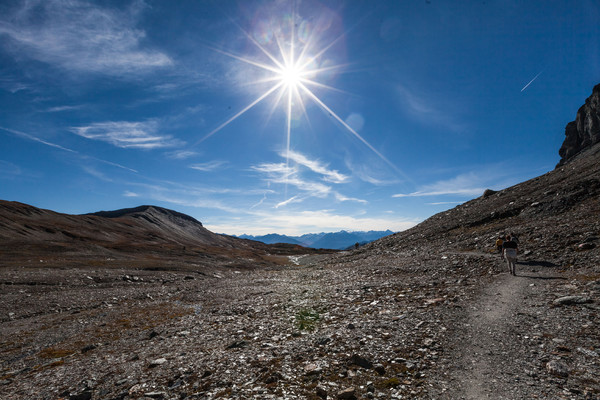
point(142, 235)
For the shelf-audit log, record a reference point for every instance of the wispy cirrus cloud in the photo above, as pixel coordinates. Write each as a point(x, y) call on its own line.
point(63, 108)
point(181, 154)
point(426, 108)
point(291, 175)
point(316, 166)
point(341, 197)
point(208, 166)
point(13, 85)
point(124, 134)
point(81, 36)
point(9, 170)
point(97, 173)
point(466, 185)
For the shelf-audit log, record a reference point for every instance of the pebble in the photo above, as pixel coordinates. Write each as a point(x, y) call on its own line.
point(157, 362)
point(558, 368)
point(348, 393)
point(568, 300)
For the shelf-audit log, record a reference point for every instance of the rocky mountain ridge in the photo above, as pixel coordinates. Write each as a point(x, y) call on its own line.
point(584, 132)
point(143, 235)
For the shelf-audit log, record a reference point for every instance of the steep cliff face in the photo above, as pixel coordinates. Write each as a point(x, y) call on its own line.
point(584, 132)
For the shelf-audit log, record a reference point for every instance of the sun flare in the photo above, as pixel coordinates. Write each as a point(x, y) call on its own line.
point(292, 67)
point(291, 76)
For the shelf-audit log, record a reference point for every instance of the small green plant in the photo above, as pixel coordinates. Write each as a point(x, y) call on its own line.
point(306, 319)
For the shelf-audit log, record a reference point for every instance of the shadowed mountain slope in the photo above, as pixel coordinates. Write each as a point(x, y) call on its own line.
point(144, 234)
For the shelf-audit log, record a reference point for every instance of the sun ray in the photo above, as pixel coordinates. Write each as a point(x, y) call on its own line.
point(259, 46)
point(348, 127)
point(323, 86)
point(249, 106)
point(248, 61)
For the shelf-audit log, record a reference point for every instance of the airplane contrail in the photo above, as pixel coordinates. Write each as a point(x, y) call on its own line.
point(531, 81)
point(37, 139)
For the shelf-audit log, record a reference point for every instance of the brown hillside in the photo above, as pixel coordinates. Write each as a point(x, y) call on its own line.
point(556, 217)
point(144, 236)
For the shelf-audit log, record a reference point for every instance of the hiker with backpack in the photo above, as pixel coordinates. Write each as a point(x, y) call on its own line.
point(499, 242)
point(509, 250)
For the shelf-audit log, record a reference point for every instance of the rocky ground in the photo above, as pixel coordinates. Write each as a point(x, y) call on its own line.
point(373, 323)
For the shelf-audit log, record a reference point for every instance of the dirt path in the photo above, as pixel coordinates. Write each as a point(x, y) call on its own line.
point(485, 333)
point(487, 356)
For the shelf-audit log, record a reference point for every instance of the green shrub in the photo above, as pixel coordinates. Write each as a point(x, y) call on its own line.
point(306, 319)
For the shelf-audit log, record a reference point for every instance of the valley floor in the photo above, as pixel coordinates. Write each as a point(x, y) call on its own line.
point(383, 324)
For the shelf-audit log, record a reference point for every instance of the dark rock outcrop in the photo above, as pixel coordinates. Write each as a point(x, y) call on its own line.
point(584, 132)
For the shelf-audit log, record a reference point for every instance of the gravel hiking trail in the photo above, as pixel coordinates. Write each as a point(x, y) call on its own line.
point(488, 359)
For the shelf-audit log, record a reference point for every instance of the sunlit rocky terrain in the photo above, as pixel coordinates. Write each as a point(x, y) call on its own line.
point(147, 304)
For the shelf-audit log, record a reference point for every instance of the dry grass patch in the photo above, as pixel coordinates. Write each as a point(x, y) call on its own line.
point(52, 352)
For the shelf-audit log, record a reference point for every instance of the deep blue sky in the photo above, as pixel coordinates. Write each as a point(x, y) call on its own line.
point(406, 108)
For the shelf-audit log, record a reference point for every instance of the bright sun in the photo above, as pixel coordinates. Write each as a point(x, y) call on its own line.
point(291, 76)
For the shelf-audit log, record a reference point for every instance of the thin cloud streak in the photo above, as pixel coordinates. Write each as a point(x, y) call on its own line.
point(9, 170)
point(531, 81)
point(425, 109)
point(124, 134)
point(181, 154)
point(294, 199)
point(208, 166)
point(332, 176)
point(36, 139)
point(461, 185)
point(97, 174)
point(62, 108)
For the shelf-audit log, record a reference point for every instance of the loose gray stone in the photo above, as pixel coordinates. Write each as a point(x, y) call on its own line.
point(558, 368)
point(587, 352)
point(156, 395)
point(348, 393)
point(568, 300)
point(157, 362)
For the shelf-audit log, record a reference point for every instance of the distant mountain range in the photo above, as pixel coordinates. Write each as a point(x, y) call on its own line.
point(334, 240)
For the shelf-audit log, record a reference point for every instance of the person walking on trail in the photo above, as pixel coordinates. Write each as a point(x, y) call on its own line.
point(509, 248)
